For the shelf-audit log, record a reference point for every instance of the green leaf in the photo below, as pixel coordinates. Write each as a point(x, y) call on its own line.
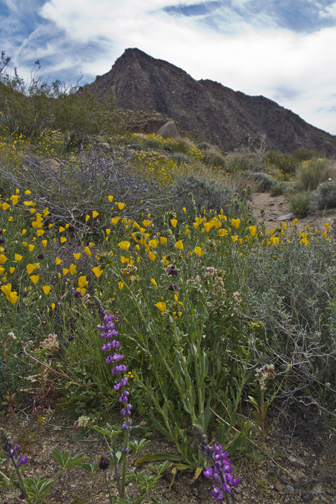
point(90, 467)
point(154, 457)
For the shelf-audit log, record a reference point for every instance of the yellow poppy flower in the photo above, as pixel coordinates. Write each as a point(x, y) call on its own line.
point(120, 285)
point(3, 258)
point(198, 251)
point(163, 240)
point(44, 243)
point(11, 270)
point(147, 223)
point(24, 231)
point(18, 257)
point(77, 256)
point(108, 231)
point(253, 230)
point(153, 282)
point(161, 306)
point(46, 289)
point(73, 269)
point(151, 256)
point(95, 214)
point(179, 245)
point(115, 220)
point(121, 206)
point(124, 245)
point(65, 271)
point(31, 248)
point(110, 198)
point(87, 217)
point(235, 223)
point(63, 239)
point(30, 268)
point(82, 281)
point(97, 271)
point(87, 251)
point(34, 278)
point(53, 306)
point(61, 229)
point(58, 261)
point(234, 238)
point(173, 222)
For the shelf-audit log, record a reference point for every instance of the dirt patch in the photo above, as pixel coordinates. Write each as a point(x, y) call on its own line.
point(277, 206)
point(294, 468)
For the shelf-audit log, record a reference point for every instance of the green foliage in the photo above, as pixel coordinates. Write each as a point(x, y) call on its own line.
point(313, 173)
point(194, 192)
point(284, 162)
point(324, 197)
point(300, 203)
point(261, 181)
point(281, 188)
point(29, 108)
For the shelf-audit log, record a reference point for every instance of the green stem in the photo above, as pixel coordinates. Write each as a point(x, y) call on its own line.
point(123, 476)
point(108, 488)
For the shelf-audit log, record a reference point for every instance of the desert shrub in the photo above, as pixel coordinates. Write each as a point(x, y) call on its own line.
point(313, 173)
point(281, 188)
point(238, 162)
point(207, 194)
point(262, 182)
point(301, 155)
point(283, 162)
point(204, 146)
point(300, 203)
point(323, 197)
point(214, 160)
point(32, 107)
point(182, 158)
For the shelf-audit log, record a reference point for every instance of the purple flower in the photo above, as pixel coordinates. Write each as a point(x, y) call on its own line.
point(22, 460)
point(221, 472)
point(76, 294)
point(127, 410)
point(208, 473)
point(103, 463)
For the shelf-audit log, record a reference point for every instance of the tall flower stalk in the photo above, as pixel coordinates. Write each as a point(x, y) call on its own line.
point(108, 333)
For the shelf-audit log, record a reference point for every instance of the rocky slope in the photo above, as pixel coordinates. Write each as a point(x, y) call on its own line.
point(211, 111)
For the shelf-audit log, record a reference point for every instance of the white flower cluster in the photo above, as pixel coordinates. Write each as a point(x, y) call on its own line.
point(263, 374)
point(50, 343)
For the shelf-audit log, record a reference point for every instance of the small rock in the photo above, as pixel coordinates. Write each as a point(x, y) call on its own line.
point(289, 217)
point(318, 489)
point(289, 489)
point(278, 486)
point(307, 497)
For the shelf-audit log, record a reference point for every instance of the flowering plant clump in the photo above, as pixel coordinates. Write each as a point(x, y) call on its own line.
point(107, 331)
point(221, 470)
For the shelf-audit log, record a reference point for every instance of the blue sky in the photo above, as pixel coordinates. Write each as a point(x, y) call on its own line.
point(281, 49)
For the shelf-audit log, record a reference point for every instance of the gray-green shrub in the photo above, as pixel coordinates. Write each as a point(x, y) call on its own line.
point(313, 173)
point(323, 197)
point(300, 203)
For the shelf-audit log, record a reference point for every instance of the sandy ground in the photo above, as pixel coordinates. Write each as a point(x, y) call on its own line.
point(277, 206)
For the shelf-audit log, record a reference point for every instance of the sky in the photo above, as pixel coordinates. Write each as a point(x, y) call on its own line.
point(281, 49)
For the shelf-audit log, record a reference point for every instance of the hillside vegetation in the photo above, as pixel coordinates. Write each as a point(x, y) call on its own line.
point(216, 319)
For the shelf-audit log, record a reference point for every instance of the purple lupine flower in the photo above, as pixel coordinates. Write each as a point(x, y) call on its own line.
point(103, 463)
point(221, 470)
point(76, 294)
point(107, 330)
point(22, 460)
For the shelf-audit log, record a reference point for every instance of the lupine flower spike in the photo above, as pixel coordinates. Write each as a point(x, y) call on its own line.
point(221, 471)
point(108, 332)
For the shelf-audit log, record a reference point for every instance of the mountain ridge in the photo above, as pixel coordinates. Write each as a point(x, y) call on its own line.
point(227, 118)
